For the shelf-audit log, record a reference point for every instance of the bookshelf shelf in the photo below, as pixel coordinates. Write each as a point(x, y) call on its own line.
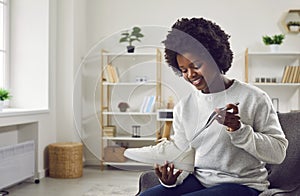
point(275, 54)
point(127, 163)
point(277, 84)
point(124, 138)
point(129, 83)
point(129, 54)
point(133, 78)
point(268, 71)
point(129, 113)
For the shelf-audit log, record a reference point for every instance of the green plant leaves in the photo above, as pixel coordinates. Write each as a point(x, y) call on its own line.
point(133, 36)
point(4, 94)
point(275, 39)
point(293, 23)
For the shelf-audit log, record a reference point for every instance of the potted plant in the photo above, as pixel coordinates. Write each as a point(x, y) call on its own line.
point(123, 106)
point(294, 26)
point(4, 95)
point(134, 35)
point(273, 41)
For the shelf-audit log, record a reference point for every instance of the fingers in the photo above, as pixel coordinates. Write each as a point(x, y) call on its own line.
point(229, 117)
point(157, 171)
point(233, 107)
point(162, 171)
point(177, 173)
point(166, 173)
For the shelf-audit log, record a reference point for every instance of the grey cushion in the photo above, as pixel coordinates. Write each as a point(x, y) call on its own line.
point(284, 178)
point(147, 180)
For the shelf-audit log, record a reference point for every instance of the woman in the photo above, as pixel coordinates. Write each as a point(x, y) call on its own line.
point(231, 154)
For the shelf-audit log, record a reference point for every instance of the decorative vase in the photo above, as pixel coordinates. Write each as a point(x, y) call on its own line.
point(274, 47)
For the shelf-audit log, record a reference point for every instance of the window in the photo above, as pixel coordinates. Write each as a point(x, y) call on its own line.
point(3, 42)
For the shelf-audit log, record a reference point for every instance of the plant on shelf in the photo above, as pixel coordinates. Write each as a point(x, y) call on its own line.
point(4, 95)
point(294, 26)
point(273, 41)
point(134, 35)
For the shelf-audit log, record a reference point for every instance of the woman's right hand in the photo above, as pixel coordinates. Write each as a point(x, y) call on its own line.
point(166, 173)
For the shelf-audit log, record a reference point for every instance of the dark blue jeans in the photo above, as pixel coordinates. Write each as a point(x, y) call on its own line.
point(192, 187)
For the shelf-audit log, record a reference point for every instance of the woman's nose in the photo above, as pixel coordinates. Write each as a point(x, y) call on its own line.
point(191, 73)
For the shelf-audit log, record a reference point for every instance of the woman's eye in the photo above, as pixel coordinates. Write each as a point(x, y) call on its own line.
point(198, 65)
point(183, 70)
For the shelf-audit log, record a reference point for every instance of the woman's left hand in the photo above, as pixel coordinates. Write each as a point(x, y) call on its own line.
point(229, 117)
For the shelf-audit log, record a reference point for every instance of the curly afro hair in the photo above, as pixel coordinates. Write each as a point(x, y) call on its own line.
point(201, 37)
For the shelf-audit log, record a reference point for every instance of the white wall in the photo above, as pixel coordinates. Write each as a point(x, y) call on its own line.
point(65, 69)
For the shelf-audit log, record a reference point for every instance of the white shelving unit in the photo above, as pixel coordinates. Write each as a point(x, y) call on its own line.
point(129, 67)
point(270, 66)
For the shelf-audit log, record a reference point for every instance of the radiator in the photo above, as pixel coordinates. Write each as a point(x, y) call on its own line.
point(17, 163)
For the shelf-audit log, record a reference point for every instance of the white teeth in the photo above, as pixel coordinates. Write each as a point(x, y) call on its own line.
point(196, 82)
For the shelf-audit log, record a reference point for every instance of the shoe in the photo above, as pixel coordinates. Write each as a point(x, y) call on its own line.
point(164, 151)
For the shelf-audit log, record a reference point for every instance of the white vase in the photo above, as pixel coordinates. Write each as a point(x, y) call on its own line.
point(274, 47)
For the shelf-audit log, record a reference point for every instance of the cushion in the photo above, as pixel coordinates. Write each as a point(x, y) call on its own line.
point(147, 180)
point(287, 174)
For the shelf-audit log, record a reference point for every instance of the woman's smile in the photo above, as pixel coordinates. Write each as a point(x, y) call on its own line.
point(197, 81)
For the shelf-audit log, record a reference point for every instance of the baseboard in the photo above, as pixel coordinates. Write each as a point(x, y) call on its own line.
point(92, 162)
point(42, 173)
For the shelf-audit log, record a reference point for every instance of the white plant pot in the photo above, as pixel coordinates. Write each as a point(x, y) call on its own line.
point(294, 28)
point(274, 47)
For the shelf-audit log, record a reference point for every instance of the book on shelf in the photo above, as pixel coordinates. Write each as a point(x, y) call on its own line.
point(291, 74)
point(285, 73)
point(295, 77)
point(143, 104)
point(111, 74)
point(107, 74)
point(297, 80)
point(148, 104)
point(109, 131)
point(114, 74)
point(109, 135)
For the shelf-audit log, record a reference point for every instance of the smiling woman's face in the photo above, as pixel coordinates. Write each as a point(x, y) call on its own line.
point(197, 71)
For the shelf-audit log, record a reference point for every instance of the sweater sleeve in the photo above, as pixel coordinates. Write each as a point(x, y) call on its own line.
point(264, 139)
point(178, 128)
point(179, 139)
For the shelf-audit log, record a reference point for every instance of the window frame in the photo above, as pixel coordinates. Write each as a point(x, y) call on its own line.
point(5, 77)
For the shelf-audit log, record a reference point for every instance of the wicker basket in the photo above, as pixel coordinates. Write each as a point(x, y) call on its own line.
point(65, 160)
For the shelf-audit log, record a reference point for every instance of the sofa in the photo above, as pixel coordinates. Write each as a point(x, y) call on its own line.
point(284, 178)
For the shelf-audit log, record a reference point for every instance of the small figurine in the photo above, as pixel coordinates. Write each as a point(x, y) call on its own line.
point(123, 106)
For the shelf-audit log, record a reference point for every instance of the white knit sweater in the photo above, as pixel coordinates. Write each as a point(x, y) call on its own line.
point(235, 157)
